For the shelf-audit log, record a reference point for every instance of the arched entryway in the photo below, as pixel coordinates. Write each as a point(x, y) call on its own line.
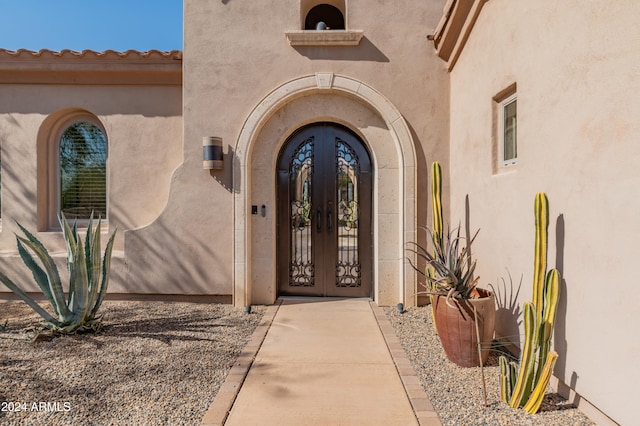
point(324, 196)
point(324, 97)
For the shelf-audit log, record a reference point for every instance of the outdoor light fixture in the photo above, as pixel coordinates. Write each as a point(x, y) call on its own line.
point(212, 158)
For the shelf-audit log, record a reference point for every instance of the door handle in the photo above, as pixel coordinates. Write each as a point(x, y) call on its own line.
point(329, 216)
point(319, 220)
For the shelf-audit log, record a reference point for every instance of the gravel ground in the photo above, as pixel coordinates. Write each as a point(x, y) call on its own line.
point(162, 363)
point(156, 363)
point(456, 393)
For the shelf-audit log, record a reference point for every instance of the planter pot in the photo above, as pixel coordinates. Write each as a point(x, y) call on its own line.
point(457, 329)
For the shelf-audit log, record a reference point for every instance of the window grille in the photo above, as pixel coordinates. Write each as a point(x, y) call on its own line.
point(83, 171)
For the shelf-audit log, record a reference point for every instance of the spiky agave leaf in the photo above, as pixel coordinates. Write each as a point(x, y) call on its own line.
point(78, 275)
point(85, 296)
point(27, 299)
point(70, 235)
point(106, 268)
point(39, 275)
point(54, 283)
point(449, 268)
point(78, 279)
point(92, 255)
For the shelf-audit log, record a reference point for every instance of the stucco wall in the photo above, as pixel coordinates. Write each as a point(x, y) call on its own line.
point(576, 69)
point(235, 54)
point(143, 126)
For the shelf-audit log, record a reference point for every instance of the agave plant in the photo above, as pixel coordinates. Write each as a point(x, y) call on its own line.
point(88, 278)
point(450, 266)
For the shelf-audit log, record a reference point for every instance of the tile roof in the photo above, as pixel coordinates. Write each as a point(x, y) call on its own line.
point(107, 54)
point(90, 67)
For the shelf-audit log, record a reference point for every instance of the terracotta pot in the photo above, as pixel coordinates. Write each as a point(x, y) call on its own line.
point(457, 329)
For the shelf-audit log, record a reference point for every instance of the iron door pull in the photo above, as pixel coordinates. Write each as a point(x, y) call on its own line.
point(319, 220)
point(329, 216)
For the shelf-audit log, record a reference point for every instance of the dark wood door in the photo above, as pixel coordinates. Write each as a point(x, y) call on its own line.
point(324, 214)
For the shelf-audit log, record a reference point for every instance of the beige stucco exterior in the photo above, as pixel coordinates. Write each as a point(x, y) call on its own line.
point(575, 65)
point(136, 98)
point(244, 82)
point(251, 75)
point(188, 231)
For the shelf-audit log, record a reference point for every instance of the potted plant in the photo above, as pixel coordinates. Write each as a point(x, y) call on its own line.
point(463, 313)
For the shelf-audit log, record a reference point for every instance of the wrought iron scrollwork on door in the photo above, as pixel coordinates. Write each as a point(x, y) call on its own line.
point(301, 267)
point(348, 268)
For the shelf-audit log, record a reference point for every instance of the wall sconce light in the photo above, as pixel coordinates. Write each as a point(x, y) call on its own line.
point(212, 158)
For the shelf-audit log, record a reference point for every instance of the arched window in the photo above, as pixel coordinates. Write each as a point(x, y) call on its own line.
point(316, 16)
point(330, 15)
point(72, 168)
point(83, 171)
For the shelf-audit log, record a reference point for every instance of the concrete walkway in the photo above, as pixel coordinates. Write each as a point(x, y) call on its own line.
point(322, 362)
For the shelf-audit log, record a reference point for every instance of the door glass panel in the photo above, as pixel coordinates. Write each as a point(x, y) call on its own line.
point(348, 271)
point(301, 267)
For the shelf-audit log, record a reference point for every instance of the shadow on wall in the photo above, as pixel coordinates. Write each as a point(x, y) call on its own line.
point(508, 313)
point(225, 177)
point(560, 343)
point(422, 206)
point(18, 190)
point(560, 333)
point(167, 258)
point(365, 51)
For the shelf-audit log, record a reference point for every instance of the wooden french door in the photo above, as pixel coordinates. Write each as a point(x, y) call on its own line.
point(324, 214)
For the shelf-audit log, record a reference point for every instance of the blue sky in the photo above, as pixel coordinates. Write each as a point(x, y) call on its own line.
point(91, 24)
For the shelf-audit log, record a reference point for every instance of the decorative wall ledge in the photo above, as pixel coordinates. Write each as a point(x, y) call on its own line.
point(325, 37)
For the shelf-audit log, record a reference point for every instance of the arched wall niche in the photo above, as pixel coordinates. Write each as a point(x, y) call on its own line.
point(307, 5)
point(339, 99)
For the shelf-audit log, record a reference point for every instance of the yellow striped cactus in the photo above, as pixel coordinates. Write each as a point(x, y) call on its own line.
point(436, 199)
point(539, 317)
point(437, 229)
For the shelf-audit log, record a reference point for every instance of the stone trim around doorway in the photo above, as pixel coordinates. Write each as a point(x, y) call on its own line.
point(394, 280)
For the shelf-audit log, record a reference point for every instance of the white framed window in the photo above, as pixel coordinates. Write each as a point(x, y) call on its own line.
point(505, 130)
point(509, 131)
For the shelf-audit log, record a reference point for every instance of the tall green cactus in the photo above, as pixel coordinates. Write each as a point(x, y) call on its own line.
point(539, 317)
point(436, 199)
point(437, 229)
